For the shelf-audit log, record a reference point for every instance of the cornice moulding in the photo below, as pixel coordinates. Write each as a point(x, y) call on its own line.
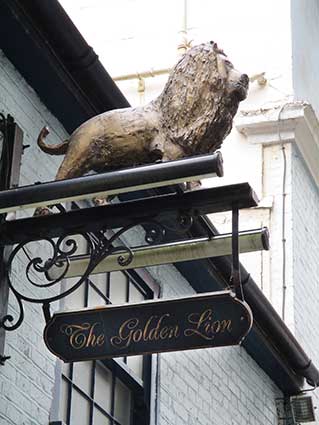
point(287, 123)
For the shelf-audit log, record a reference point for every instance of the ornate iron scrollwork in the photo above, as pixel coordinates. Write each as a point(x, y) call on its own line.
point(57, 255)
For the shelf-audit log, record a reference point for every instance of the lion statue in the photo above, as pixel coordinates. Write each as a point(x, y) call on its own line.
point(192, 116)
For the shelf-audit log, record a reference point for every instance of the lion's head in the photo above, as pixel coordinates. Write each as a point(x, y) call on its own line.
point(200, 99)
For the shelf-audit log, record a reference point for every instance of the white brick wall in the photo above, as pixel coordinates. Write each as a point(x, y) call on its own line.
point(26, 381)
point(305, 203)
point(221, 386)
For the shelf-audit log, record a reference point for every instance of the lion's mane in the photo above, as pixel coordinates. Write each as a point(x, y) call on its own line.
point(195, 105)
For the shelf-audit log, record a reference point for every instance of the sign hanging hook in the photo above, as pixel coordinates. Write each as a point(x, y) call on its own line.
point(235, 278)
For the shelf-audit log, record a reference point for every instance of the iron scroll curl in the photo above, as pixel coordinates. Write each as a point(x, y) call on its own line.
point(58, 253)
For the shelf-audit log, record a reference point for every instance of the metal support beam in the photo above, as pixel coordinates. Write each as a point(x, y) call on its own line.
point(235, 277)
point(115, 216)
point(113, 182)
point(145, 256)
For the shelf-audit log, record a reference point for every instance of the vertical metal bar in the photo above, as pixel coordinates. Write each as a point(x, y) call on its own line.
point(86, 293)
point(108, 285)
point(16, 152)
point(86, 287)
point(113, 396)
point(70, 390)
point(12, 149)
point(92, 391)
point(46, 311)
point(235, 277)
point(4, 294)
point(128, 283)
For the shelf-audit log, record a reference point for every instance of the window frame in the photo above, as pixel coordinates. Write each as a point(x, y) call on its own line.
point(11, 155)
point(142, 390)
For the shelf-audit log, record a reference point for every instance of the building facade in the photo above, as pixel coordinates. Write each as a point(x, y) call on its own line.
point(56, 80)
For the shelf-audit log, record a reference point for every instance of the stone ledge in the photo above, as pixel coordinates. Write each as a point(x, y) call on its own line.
point(287, 123)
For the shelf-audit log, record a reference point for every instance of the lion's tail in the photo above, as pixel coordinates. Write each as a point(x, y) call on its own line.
point(58, 149)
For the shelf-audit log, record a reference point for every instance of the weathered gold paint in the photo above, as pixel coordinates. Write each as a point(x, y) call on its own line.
point(192, 116)
point(132, 331)
point(205, 325)
point(83, 336)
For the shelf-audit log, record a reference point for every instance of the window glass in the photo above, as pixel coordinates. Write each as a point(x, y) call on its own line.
point(92, 393)
point(99, 418)
point(95, 298)
point(66, 369)
point(118, 288)
point(98, 290)
point(135, 363)
point(103, 387)
point(82, 376)
point(76, 299)
point(122, 402)
point(135, 293)
point(64, 400)
point(80, 409)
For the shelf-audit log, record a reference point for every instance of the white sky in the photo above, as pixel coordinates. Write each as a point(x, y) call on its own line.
point(136, 35)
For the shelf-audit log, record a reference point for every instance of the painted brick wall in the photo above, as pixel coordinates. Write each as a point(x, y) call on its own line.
point(273, 175)
point(221, 386)
point(305, 58)
point(26, 381)
point(305, 204)
point(212, 386)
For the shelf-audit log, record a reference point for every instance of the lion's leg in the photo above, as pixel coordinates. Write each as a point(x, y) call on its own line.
point(72, 167)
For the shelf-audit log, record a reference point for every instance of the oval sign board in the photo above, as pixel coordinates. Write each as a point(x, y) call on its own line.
point(208, 320)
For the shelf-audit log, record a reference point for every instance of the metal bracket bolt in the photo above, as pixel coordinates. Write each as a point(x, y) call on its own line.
point(3, 359)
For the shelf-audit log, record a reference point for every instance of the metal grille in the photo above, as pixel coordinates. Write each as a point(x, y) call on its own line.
point(302, 409)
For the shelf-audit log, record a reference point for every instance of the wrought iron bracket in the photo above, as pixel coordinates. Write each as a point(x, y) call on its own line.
point(235, 280)
point(100, 245)
point(103, 228)
point(3, 359)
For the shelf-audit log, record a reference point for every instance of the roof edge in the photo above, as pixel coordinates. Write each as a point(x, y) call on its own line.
point(61, 67)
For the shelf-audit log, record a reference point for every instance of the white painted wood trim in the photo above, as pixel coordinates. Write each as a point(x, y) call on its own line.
point(287, 123)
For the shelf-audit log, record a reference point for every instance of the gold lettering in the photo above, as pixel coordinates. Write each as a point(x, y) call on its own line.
point(176, 332)
point(100, 340)
point(155, 332)
point(91, 339)
point(137, 335)
point(164, 333)
point(205, 326)
point(125, 333)
point(215, 327)
point(146, 335)
point(83, 336)
point(226, 325)
point(131, 331)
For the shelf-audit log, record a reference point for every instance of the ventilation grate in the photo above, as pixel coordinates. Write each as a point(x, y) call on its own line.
point(302, 409)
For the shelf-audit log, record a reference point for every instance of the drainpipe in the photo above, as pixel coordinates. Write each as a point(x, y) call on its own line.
point(273, 329)
point(271, 324)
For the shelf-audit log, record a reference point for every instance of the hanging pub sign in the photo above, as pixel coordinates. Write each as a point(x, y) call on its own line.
point(208, 320)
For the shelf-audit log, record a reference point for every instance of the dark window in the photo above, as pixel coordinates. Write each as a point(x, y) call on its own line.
point(11, 148)
point(112, 392)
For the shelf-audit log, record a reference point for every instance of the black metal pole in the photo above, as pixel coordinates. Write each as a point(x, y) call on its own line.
point(235, 277)
point(115, 182)
point(113, 216)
